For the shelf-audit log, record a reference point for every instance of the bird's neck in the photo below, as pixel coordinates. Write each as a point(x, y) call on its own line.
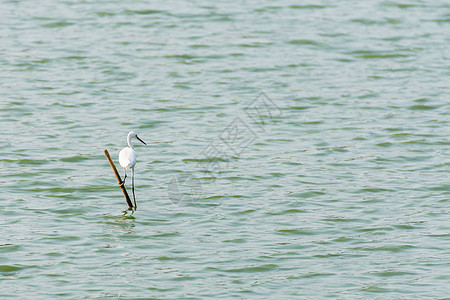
point(130, 144)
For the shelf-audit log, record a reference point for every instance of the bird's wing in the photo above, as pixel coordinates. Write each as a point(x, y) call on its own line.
point(127, 158)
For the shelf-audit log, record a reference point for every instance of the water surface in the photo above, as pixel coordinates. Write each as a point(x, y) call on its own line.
point(341, 192)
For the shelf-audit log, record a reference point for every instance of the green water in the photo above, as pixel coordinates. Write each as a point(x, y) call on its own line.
point(338, 189)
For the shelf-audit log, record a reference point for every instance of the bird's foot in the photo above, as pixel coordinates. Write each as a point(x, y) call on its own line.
point(123, 181)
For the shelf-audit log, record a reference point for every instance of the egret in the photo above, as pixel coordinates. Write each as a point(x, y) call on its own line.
point(127, 159)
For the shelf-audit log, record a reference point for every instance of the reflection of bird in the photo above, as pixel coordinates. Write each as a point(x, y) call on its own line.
point(127, 159)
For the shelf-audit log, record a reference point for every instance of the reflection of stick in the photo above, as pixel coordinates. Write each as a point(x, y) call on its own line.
point(122, 186)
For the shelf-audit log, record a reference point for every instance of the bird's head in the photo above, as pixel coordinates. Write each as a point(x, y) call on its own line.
point(133, 134)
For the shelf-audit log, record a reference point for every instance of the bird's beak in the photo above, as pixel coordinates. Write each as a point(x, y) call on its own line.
point(141, 140)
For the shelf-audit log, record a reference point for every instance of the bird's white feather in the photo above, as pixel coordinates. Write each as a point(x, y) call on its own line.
point(127, 158)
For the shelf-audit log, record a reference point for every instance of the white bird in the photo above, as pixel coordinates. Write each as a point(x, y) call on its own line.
point(127, 159)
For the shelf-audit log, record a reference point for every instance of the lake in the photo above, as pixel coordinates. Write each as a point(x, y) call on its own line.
point(293, 150)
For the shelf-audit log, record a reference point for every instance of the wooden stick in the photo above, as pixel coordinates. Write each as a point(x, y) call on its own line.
point(124, 190)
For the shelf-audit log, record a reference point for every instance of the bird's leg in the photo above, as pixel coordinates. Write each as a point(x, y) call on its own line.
point(132, 184)
point(123, 181)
